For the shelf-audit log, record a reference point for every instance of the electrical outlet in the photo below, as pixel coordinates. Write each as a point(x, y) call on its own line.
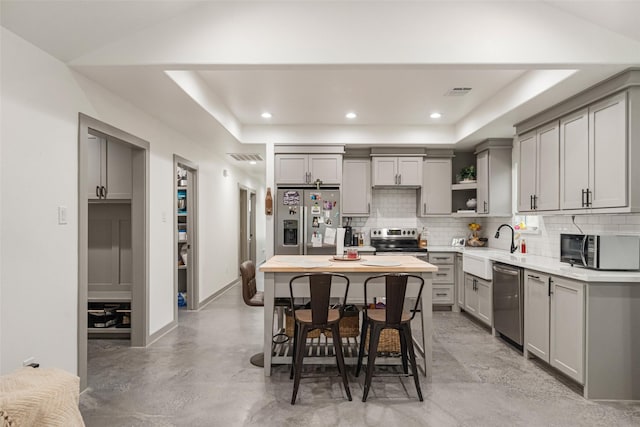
point(29, 361)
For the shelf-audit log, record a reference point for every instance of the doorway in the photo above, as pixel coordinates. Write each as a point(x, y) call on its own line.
point(113, 237)
point(247, 232)
point(185, 244)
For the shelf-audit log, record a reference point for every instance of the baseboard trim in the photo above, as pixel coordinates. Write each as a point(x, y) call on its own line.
point(218, 293)
point(161, 332)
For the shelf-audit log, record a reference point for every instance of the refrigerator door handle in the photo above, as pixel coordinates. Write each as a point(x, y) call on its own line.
point(303, 240)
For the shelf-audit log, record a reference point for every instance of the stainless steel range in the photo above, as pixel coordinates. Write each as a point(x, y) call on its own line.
point(397, 241)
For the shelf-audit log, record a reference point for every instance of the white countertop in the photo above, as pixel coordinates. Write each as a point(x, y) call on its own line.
point(544, 265)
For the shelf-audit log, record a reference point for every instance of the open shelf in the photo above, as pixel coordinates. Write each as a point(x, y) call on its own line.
point(464, 186)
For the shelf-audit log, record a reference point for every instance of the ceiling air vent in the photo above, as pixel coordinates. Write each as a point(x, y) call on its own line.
point(458, 91)
point(242, 157)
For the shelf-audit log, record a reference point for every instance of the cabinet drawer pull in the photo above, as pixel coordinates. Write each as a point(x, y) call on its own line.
point(441, 295)
point(441, 274)
point(533, 277)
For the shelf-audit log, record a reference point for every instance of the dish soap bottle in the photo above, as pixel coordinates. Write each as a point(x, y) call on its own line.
point(523, 247)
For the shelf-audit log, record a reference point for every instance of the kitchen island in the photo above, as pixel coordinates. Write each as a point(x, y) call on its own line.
point(279, 269)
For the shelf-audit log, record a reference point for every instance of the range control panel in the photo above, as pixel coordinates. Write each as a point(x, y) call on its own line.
point(394, 233)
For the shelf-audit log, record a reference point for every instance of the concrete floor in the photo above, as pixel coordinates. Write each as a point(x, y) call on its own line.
point(199, 375)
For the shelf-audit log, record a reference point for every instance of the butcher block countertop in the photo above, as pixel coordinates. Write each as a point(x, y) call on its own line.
point(326, 263)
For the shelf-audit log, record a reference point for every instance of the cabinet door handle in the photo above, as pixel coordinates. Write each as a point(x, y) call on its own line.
point(588, 198)
point(535, 202)
point(368, 207)
point(98, 191)
point(550, 283)
point(424, 208)
point(399, 178)
point(486, 209)
point(103, 192)
point(531, 202)
point(583, 193)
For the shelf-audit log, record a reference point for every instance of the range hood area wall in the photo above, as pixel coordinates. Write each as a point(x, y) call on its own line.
point(393, 207)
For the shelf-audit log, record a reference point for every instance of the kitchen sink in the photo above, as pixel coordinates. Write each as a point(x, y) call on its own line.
point(479, 266)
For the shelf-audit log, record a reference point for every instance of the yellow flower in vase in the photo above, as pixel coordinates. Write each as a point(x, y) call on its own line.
point(474, 240)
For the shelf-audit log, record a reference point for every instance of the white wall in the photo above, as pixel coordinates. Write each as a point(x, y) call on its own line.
point(41, 98)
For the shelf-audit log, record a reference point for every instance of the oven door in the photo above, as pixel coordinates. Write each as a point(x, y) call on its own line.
point(572, 248)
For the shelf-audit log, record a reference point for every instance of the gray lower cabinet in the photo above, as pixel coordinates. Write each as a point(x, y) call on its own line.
point(444, 278)
point(459, 281)
point(555, 322)
point(478, 298)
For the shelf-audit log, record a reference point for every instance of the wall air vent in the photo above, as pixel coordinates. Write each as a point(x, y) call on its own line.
point(458, 91)
point(242, 157)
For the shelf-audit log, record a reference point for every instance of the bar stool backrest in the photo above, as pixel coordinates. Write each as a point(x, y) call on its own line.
point(249, 289)
point(395, 292)
point(318, 287)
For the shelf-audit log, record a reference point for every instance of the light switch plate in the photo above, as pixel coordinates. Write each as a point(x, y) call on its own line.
point(62, 215)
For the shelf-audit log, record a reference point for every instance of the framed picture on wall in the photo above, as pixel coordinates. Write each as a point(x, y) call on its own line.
point(458, 241)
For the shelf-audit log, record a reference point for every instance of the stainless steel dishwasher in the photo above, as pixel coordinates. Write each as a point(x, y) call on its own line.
point(508, 302)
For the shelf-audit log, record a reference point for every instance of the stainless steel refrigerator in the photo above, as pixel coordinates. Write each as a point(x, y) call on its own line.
point(306, 221)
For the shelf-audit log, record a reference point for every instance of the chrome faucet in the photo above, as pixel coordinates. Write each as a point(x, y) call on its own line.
point(513, 245)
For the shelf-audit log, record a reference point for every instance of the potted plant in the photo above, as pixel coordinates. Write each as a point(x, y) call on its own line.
point(468, 173)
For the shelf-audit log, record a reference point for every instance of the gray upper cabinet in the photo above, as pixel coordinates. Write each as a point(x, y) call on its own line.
point(435, 194)
point(593, 145)
point(493, 176)
point(392, 171)
point(356, 187)
point(307, 168)
point(599, 138)
point(539, 170)
point(110, 169)
point(608, 153)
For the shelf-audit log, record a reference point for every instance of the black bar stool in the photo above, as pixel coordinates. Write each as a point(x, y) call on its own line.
point(254, 298)
point(317, 286)
point(392, 316)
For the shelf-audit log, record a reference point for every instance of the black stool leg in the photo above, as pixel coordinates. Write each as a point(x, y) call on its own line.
point(337, 344)
point(403, 350)
point(293, 355)
point(374, 337)
point(302, 340)
point(363, 337)
point(412, 356)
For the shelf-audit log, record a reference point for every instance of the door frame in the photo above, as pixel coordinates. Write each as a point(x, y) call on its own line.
point(247, 224)
point(139, 236)
point(193, 286)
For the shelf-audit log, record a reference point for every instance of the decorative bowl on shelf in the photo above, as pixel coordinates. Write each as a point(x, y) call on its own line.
point(472, 203)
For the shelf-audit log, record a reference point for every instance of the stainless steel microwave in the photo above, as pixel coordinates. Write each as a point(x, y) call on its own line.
point(601, 252)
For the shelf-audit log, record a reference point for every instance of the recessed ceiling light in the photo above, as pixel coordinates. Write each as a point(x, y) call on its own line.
point(266, 115)
point(435, 115)
point(253, 162)
point(351, 115)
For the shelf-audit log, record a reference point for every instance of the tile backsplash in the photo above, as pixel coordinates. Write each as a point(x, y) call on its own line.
point(547, 241)
point(392, 207)
point(397, 208)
